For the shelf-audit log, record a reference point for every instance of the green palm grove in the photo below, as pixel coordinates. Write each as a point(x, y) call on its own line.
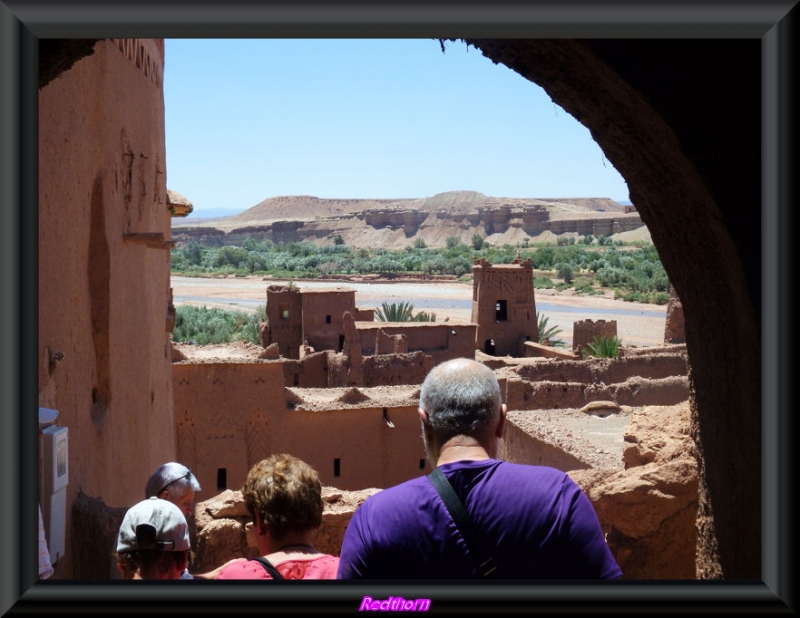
point(633, 272)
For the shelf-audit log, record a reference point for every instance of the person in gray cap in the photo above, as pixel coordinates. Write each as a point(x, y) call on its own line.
point(153, 541)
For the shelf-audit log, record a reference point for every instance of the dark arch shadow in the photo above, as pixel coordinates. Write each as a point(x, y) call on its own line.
point(655, 108)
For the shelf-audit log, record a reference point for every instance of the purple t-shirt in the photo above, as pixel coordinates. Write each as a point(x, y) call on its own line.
point(535, 519)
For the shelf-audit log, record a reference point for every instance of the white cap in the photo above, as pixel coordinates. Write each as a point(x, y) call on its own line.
point(153, 524)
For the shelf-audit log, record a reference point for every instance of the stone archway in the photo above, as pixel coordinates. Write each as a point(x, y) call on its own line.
point(688, 186)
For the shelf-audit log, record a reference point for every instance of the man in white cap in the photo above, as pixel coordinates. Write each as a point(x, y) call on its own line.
point(153, 541)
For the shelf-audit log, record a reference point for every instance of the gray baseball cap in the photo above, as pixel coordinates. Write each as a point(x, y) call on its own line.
point(153, 524)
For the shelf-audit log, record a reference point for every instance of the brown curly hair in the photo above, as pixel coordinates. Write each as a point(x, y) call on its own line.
point(286, 492)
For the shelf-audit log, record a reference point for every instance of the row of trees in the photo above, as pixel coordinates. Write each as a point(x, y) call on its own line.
point(633, 272)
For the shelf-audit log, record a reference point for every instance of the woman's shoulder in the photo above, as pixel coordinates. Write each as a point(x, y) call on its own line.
point(319, 567)
point(246, 569)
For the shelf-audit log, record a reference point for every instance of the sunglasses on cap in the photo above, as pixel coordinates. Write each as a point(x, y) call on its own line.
point(180, 478)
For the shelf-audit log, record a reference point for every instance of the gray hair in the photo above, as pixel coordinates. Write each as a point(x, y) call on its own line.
point(460, 397)
point(173, 476)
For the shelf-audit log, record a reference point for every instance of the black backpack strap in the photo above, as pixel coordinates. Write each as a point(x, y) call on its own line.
point(486, 563)
point(268, 567)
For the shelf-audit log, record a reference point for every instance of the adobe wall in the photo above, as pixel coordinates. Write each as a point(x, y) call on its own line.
point(534, 349)
point(322, 311)
point(104, 240)
point(392, 369)
point(518, 446)
point(230, 415)
point(659, 378)
point(309, 372)
point(441, 340)
point(525, 395)
point(652, 365)
point(364, 314)
point(224, 418)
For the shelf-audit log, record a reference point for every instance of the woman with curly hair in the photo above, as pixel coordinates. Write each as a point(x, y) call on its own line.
point(284, 497)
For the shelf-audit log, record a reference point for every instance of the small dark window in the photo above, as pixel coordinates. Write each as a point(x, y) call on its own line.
point(500, 311)
point(327, 319)
point(222, 479)
point(296, 380)
point(421, 464)
point(337, 467)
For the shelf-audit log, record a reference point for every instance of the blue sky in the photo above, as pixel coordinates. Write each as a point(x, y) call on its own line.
point(250, 119)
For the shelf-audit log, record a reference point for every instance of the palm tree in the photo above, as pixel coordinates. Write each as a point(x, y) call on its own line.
point(395, 312)
point(402, 312)
point(603, 347)
point(424, 316)
point(547, 333)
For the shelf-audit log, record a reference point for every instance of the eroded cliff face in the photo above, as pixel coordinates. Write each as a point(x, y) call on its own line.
point(396, 224)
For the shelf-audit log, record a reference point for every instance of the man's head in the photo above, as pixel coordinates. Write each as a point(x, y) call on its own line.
point(153, 540)
point(174, 482)
point(461, 397)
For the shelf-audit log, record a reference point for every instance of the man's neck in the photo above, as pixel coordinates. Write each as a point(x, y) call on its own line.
point(461, 448)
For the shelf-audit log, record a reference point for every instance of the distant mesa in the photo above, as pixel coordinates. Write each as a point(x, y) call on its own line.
point(397, 223)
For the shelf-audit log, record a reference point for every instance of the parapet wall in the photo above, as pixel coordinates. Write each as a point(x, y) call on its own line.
point(659, 378)
point(652, 366)
point(523, 395)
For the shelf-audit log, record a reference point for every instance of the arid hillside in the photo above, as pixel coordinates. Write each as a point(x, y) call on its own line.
point(396, 224)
